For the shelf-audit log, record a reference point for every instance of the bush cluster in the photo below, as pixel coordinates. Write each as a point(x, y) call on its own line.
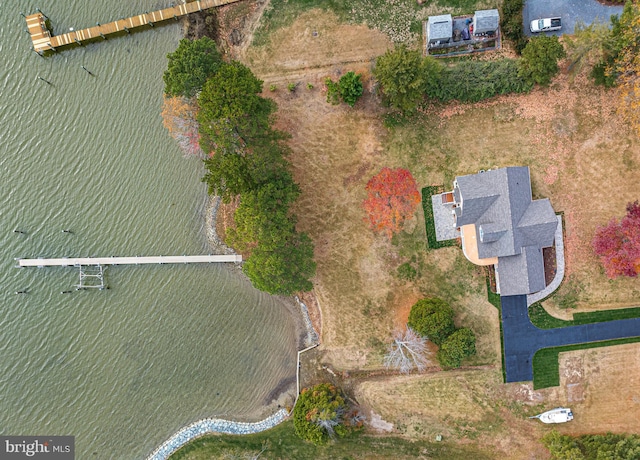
point(433, 318)
point(348, 89)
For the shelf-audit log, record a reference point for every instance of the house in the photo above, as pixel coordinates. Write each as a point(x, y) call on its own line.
point(439, 29)
point(501, 225)
point(486, 22)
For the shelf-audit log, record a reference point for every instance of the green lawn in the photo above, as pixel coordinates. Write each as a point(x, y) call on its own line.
point(282, 443)
point(545, 362)
point(540, 318)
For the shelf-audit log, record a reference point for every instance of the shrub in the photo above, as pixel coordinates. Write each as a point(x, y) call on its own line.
point(348, 89)
point(333, 92)
point(473, 81)
point(456, 347)
point(539, 62)
point(351, 88)
point(319, 413)
point(432, 318)
point(272, 87)
point(292, 87)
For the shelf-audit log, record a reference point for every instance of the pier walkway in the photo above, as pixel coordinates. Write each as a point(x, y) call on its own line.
point(79, 261)
point(43, 39)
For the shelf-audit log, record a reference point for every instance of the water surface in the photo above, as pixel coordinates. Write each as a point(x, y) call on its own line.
point(120, 369)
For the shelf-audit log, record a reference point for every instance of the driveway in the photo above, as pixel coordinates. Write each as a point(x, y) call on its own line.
point(522, 339)
point(571, 12)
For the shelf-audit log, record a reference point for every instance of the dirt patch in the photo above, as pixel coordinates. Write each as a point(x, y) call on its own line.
point(201, 24)
point(224, 218)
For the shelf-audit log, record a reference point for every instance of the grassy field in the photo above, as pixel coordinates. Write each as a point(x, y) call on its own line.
point(545, 361)
point(401, 20)
point(282, 443)
point(461, 405)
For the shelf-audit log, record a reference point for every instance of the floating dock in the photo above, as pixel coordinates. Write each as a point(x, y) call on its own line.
point(80, 261)
point(44, 40)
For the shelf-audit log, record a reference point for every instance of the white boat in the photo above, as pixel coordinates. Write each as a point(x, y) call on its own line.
point(557, 415)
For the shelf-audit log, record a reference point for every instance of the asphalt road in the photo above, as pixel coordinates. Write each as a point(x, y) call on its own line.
point(571, 12)
point(522, 339)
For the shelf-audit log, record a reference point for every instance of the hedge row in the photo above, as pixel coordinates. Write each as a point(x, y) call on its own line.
point(473, 81)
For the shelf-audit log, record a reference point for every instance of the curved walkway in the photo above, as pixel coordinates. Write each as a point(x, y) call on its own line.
point(522, 339)
point(214, 425)
point(557, 279)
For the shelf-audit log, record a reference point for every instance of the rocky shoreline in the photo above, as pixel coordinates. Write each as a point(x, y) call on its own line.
point(214, 425)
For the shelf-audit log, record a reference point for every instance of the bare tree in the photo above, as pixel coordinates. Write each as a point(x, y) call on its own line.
point(406, 352)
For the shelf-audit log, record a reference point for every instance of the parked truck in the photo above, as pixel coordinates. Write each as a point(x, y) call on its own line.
point(545, 25)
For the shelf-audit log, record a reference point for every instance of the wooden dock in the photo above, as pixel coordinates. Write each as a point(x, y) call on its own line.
point(79, 261)
point(43, 38)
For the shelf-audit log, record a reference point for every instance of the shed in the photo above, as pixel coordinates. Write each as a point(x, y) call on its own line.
point(486, 21)
point(439, 28)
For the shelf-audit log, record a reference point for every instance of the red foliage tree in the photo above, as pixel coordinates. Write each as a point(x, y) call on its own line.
point(618, 244)
point(179, 117)
point(392, 198)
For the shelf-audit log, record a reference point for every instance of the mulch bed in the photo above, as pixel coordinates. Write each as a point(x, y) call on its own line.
point(550, 266)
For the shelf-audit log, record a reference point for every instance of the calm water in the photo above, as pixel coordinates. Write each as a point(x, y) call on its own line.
point(125, 368)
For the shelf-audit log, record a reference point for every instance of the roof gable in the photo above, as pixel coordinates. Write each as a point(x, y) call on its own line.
point(486, 21)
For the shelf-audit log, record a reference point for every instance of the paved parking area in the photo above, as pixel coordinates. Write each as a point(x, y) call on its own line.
point(571, 12)
point(522, 339)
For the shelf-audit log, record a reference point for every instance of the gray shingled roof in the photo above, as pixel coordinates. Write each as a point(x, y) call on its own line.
point(440, 27)
point(509, 225)
point(486, 21)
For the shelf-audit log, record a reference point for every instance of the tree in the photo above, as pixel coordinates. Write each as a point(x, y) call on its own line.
point(232, 114)
point(456, 347)
point(179, 117)
point(432, 318)
point(406, 352)
point(609, 446)
point(405, 76)
point(618, 244)
point(627, 63)
point(318, 414)
point(539, 60)
point(392, 198)
point(285, 269)
point(190, 65)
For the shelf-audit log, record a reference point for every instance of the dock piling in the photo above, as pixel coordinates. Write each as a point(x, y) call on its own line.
point(46, 81)
point(90, 73)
